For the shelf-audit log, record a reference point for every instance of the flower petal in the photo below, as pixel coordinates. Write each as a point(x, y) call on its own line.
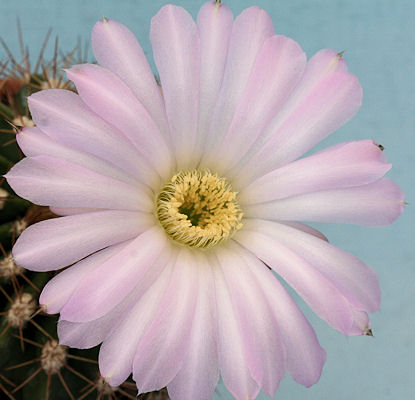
point(215, 23)
point(263, 346)
point(97, 294)
point(361, 323)
point(305, 228)
point(375, 204)
point(317, 291)
point(106, 94)
point(60, 288)
point(56, 243)
point(91, 333)
point(49, 181)
point(161, 350)
point(71, 211)
point(329, 105)
point(117, 49)
point(250, 30)
point(305, 356)
point(33, 142)
point(323, 64)
point(85, 335)
point(355, 280)
point(232, 360)
point(118, 350)
point(199, 373)
point(63, 116)
point(340, 166)
point(278, 68)
point(175, 41)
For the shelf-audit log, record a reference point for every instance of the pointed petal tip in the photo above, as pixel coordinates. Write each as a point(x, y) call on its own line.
point(368, 332)
point(104, 23)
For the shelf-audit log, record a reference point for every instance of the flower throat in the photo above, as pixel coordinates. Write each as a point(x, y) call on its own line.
point(198, 209)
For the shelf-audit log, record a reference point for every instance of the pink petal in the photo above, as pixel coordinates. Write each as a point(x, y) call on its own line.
point(199, 373)
point(91, 333)
point(72, 211)
point(118, 350)
point(51, 181)
point(215, 23)
point(33, 142)
point(341, 166)
point(305, 228)
point(375, 204)
point(250, 30)
point(175, 41)
point(361, 323)
point(305, 356)
point(329, 105)
point(317, 291)
point(161, 350)
point(97, 294)
point(278, 68)
point(114, 102)
point(319, 67)
point(60, 288)
point(63, 116)
point(232, 359)
point(85, 335)
point(355, 280)
point(263, 345)
point(324, 63)
point(117, 49)
point(56, 243)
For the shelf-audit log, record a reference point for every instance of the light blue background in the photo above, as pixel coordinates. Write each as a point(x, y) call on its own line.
point(379, 39)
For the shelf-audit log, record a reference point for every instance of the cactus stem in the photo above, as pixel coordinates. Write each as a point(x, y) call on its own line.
point(41, 329)
point(124, 393)
point(26, 381)
point(9, 142)
point(6, 295)
point(6, 392)
point(5, 329)
point(5, 255)
point(29, 341)
point(65, 385)
point(75, 372)
point(82, 359)
point(34, 287)
point(103, 388)
point(21, 337)
point(23, 364)
point(91, 389)
point(48, 383)
point(9, 382)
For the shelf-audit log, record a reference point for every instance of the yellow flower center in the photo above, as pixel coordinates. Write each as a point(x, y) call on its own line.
point(198, 209)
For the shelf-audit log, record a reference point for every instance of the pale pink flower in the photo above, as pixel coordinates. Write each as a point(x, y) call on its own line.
point(175, 201)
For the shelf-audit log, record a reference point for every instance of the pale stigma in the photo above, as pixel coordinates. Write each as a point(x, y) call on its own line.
point(198, 209)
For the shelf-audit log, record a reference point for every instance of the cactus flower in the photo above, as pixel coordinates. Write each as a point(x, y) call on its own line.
point(176, 201)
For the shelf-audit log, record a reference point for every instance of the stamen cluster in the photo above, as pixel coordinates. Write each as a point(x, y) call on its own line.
point(198, 209)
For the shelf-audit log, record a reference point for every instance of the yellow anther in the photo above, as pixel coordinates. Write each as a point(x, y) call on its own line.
point(198, 209)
